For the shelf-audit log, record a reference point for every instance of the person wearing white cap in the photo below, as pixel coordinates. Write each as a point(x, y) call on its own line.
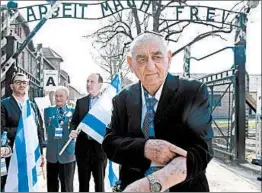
point(11, 111)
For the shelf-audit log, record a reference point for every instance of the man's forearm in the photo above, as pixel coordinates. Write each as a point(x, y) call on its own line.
point(173, 173)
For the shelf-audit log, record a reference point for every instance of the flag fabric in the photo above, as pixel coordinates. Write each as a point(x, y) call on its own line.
point(99, 116)
point(42, 103)
point(25, 160)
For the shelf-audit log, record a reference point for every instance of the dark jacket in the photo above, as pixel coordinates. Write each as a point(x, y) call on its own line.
point(183, 118)
point(10, 115)
point(85, 147)
point(54, 146)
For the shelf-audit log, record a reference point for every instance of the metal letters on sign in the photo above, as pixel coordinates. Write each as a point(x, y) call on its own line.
point(50, 80)
point(107, 8)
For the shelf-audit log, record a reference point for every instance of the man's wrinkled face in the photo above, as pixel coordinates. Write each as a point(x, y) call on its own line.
point(60, 98)
point(93, 86)
point(150, 61)
point(19, 87)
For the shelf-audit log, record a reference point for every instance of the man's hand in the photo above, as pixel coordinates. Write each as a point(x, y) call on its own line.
point(6, 151)
point(161, 151)
point(74, 134)
point(42, 161)
point(3, 150)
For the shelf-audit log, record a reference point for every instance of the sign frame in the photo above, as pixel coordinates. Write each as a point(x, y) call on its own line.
point(51, 77)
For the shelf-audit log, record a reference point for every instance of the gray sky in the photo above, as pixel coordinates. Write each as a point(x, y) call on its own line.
point(65, 37)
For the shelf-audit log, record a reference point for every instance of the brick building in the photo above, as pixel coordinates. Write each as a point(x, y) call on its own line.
point(13, 32)
point(32, 61)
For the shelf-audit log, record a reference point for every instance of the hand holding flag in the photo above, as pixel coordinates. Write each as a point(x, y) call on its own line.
point(99, 116)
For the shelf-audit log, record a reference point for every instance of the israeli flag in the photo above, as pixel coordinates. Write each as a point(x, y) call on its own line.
point(99, 116)
point(22, 172)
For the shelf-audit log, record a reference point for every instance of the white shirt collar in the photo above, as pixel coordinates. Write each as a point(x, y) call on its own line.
point(157, 95)
point(20, 103)
point(97, 96)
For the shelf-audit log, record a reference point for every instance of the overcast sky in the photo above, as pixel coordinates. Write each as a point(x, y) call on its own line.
point(65, 37)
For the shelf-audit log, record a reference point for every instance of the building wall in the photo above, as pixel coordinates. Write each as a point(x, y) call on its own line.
point(48, 65)
point(63, 81)
point(74, 94)
point(55, 62)
point(28, 62)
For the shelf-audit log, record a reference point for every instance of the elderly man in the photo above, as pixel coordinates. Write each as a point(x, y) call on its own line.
point(90, 157)
point(57, 122)
point(160, 129)
point(11, 111)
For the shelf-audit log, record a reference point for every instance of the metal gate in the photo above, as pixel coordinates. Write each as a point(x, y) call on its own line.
point(221, 87)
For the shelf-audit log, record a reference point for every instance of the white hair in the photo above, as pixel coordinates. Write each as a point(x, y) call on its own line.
point(63, 88)
point(147, 37)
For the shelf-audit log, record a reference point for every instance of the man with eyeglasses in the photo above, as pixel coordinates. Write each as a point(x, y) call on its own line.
point(11, 111)
point(160, 129)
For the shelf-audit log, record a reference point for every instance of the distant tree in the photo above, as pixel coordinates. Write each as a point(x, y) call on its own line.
point(113, 40)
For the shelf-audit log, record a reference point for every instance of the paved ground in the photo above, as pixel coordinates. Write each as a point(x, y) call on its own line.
point(221, 177)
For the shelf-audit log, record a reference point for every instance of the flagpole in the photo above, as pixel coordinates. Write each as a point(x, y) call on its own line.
point(43, 173)
point(69, 140)
point(67, 143)
point(79, 129)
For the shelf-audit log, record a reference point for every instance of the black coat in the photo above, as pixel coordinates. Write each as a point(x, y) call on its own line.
point(10, 115)
point(85, 148)
point(183, 118)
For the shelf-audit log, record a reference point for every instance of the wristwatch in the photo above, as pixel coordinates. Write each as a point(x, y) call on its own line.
point(155, 185)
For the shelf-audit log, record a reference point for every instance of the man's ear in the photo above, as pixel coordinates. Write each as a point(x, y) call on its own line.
point(129, 62)
point(169, 56)
point(12, 86)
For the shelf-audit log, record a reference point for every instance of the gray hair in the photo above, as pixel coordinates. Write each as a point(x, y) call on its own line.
point(147, 37)
point(63, 88)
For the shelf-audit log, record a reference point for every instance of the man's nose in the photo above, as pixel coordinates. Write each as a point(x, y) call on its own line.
point(151, 64)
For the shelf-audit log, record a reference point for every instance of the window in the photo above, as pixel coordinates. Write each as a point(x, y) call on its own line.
point(16, 28)
point(20, 31)
point(30, 63)
point(23, 60)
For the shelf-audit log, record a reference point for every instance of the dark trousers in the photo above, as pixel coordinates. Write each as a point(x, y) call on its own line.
point(3, 178)
point(3, 181)
point(97, 168)
point(63, 172)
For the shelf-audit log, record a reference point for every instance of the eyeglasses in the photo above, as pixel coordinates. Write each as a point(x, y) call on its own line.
point(21, 82)
point(16, 75)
